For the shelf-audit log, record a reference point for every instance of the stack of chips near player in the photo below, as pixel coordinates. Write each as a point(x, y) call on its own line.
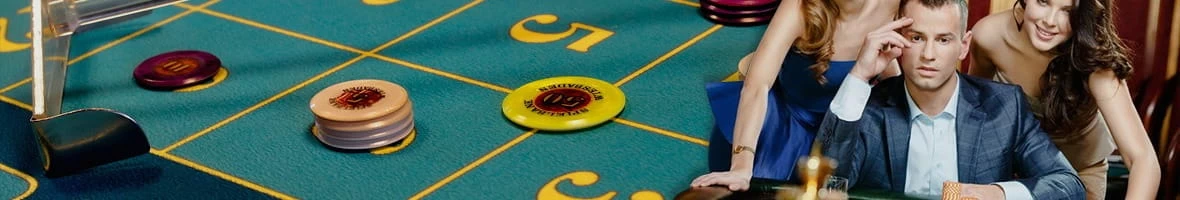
point(177, 69)
point(362, 114)
point(738, 12)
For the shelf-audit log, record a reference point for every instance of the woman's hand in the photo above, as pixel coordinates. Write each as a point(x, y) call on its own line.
point(736, 181)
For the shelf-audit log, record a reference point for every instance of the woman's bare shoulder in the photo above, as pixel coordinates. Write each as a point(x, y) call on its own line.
point(990, 30)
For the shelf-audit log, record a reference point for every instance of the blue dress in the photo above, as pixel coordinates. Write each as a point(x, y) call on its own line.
point(796, 106)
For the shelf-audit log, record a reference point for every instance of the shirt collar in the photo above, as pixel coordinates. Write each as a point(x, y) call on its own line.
point(951, 108)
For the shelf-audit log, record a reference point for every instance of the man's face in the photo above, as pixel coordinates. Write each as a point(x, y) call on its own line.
point(938, 45)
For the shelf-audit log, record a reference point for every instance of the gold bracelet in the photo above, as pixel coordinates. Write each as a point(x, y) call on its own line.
point(741, 148)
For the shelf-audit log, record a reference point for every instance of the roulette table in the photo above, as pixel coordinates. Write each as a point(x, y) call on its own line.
point(247, 132)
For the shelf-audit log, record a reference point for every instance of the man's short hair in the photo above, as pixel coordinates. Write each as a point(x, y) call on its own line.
point(939, 3)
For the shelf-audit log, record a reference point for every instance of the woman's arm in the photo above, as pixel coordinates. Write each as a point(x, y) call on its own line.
point(780, 35)
point(1114, 100)
point(784, 28)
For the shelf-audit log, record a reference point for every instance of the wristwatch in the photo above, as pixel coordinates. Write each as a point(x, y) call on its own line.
point(740, 148)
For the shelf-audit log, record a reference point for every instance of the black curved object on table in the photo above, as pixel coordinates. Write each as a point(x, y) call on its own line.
point(87, 138)
point(84, 138)
point(767, 190)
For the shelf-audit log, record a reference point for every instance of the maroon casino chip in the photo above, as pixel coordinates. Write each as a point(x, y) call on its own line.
point(177, 69)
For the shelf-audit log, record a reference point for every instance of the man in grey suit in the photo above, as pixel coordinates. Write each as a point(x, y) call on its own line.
point(933, 131)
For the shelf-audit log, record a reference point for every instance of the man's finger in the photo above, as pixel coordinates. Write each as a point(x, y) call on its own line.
point(893, 53)
point(898, 37)
point(888, 40)
point(892, 43)
point(891, 26)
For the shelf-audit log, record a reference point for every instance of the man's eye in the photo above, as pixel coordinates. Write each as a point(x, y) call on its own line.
point(915, 38)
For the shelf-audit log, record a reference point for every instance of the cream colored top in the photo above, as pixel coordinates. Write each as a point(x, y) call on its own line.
point(1083, 150)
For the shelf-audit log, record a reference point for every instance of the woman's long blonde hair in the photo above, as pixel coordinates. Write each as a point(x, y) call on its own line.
point(820, 25)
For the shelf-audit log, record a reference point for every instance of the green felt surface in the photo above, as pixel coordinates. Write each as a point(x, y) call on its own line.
point(12, 185)
point(249, 134)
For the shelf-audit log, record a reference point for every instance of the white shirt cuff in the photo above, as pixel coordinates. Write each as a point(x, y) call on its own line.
point(1014, 190)
point(849, 102)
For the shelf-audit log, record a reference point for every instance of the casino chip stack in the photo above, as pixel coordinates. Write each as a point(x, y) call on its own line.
point(738, 12)
point(177, 69)
point(362, 114)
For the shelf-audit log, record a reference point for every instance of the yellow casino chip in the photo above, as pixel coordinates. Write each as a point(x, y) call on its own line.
point(564, 103)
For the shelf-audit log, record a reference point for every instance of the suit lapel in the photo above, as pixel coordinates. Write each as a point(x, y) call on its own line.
point(897, 134)
point(968, 128)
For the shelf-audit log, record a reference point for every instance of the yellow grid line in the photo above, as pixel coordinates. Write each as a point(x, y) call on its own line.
point(474, 164)
point(29, 179)
point(33, 184)
point(316, 78)
point(15, 85)
point(351, 49)
point(16, 103)
point(276, 97)
point(372, 53)
point(272, 28)
point(660, 131)
point(400, 62)
point(116, 42)
point(221, 175)
point(32, 181)
point(686, 2)
point(443, 73)
point(664, 57)
point(169, 157)
point(634, 124)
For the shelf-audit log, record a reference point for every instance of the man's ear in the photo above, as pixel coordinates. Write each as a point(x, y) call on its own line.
point(966, 45)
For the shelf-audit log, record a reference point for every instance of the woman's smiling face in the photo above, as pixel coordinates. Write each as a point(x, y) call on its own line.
point(1047, 22)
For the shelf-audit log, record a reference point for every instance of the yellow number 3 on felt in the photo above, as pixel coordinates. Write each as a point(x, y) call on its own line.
point(520, 33)
point(585, 178)
point(10, 46)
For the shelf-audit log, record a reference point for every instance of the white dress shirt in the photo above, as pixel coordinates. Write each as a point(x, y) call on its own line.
point(933, 151)
point(933, 148)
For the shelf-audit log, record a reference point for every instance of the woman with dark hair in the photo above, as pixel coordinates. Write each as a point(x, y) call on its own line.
point(1072, 65)
point(768, 121)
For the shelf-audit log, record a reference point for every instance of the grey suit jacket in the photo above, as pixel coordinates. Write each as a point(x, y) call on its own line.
point(998, 140)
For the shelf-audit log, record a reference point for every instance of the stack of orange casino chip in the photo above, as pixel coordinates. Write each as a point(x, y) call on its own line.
point(362, 114)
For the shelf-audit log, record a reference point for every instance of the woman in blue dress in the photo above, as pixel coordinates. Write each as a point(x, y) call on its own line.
point(769, 120)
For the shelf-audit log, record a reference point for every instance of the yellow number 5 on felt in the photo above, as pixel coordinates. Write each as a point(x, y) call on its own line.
point(520, 33)
point(10, 46)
